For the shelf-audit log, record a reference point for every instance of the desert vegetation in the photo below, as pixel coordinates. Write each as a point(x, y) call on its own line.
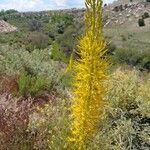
point(68, 83)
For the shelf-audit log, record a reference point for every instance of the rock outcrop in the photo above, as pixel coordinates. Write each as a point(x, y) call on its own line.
point(125, 13)
point(6, 27)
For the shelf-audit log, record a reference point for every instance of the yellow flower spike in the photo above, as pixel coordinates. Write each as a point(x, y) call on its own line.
point(91, 71)
point(70, 66)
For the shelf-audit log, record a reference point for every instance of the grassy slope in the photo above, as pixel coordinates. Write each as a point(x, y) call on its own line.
point(130, 36)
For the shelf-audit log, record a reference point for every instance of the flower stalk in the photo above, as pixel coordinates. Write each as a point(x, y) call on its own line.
point(91, 72)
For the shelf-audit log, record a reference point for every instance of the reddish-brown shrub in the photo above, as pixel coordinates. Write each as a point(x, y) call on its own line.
point(8, 84)
point(14, 119)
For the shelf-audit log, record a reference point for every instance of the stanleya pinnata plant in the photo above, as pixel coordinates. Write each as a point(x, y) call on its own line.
point(91, 72)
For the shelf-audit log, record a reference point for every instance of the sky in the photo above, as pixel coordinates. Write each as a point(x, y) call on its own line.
point(38, 5)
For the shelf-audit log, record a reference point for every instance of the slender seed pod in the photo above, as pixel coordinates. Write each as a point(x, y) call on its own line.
point(91, 71)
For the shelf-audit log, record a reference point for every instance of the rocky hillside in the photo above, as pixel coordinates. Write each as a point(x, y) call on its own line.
point(119, 13)
point(125, 13)
point(6, 27)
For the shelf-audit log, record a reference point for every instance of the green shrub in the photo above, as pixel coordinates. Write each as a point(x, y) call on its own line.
point(7, 12)
point(38, 63)
point(5, 19)
point(11, 11)
point(62, 18)
point(61, 22)
point(123, 89)
point(2, 12)
point(23, 84)
point(144, 64)
point(123, 37)
point(51, 35)
point(145, 15)
point(36, 40)
point(128, 56)
point(67, 41)
point(60, 28)
point(32, 85)
point(111, 48)
point(35, 25)
point(140, 59)
point(57, 54)
point(16, 60)
point(141, 22)
point(67, 80)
